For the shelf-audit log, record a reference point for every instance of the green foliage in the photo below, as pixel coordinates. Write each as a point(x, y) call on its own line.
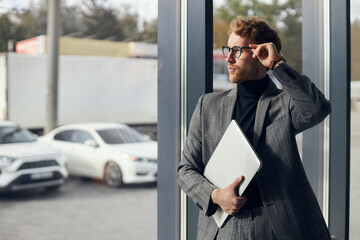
point(26, 27)
point(92, 19)
point(71, 20)
point(149, 34)
point(6, 32)
point(285, 17)
point(355, 50)
point(129, 23)
point(101, 22)
point(30, 22)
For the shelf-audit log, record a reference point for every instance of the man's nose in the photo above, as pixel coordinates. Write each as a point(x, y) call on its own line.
point(230, 58)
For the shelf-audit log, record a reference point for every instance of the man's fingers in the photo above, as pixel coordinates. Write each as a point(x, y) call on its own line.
point(235, 185)
point(261, 50)
point(238, 181)
point(255, 49)
point(239, 201)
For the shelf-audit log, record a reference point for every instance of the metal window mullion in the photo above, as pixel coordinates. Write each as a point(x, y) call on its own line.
point(339, 147)
point(326, 157)
point(183, 197)
point(169, 122)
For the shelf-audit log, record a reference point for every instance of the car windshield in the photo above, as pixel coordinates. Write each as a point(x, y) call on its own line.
point(121, 135)
point(15, 134)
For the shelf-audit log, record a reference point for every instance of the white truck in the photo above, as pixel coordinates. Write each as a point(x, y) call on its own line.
point(90, 89)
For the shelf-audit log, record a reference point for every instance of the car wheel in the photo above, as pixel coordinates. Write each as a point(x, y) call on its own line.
point(112, 175)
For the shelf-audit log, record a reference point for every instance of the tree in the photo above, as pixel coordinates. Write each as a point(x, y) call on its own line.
point(41, 15)
point(220, 33)
point(6, 32)
point(26, 26)
point(355, 48)
point(93, 19)
point(129, 24)
point(149, 33)
point(31, 22)
point(71, 21)
point(101, 22)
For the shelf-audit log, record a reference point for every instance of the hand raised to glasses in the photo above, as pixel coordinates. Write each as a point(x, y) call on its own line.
point(265, 52)
point(228, 198)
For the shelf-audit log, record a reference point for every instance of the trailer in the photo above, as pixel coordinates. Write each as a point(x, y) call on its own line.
point(90, 89)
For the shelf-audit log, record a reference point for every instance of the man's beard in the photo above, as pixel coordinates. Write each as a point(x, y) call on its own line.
point(241, 75)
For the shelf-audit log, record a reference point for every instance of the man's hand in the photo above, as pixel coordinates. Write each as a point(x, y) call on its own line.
point(228, 199)
point(265, 52)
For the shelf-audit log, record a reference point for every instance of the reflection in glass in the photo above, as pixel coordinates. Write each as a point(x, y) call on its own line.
point(107, 72)
point(354, 210)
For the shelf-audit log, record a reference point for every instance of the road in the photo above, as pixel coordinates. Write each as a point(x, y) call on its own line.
point(80, 210)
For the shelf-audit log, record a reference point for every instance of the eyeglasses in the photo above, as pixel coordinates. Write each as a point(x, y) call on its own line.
point(235, 51)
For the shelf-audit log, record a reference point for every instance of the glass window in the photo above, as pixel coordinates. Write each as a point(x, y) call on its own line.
point(80, 136)
point(107, 72)
point(112, 136)
point(76, 136)
point(64, 136)
point(15, 135)
point(354, 210)
point(121, 135)
point(132, 136)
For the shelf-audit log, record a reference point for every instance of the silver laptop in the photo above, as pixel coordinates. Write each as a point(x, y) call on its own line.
point(233, 157)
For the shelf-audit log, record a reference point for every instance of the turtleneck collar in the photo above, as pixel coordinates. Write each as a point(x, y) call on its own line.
point(252, 88)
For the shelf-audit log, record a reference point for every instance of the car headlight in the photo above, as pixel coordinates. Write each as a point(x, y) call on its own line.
point(137, 159)
point(6, 161)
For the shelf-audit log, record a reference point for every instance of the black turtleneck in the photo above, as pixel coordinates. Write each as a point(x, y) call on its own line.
point(248, 95)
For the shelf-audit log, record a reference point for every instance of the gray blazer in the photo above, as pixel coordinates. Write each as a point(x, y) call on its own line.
point(289, 202)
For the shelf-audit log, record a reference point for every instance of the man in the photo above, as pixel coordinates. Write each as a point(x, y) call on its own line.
point(279, 202)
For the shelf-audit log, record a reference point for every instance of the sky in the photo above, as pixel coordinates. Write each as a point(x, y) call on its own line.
point(148, 9)
point(354, 10)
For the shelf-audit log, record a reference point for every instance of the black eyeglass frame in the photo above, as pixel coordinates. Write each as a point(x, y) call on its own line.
point(231, 50)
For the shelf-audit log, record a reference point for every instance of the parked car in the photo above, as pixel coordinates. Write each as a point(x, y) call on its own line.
point(113, 152)
point(26, 163)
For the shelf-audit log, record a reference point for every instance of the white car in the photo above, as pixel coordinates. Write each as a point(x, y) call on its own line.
point(113, 152)
point(26, 163)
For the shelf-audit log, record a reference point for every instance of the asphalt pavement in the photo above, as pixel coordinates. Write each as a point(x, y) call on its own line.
point(87, 210)
point(81, 210)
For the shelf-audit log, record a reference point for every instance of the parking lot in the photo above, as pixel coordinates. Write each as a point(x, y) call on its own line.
point(85, 209)
point(81, 209)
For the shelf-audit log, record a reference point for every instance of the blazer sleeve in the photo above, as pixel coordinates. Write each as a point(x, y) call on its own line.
point(190, 170)
point(308, 105)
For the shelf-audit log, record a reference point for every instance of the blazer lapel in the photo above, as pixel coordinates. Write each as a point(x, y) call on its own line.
point(227, 110)
point(261, 110)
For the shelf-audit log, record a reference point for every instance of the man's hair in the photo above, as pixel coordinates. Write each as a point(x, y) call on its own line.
point(255, 28)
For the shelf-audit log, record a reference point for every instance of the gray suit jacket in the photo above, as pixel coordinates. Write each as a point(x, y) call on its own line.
point(289, 202)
